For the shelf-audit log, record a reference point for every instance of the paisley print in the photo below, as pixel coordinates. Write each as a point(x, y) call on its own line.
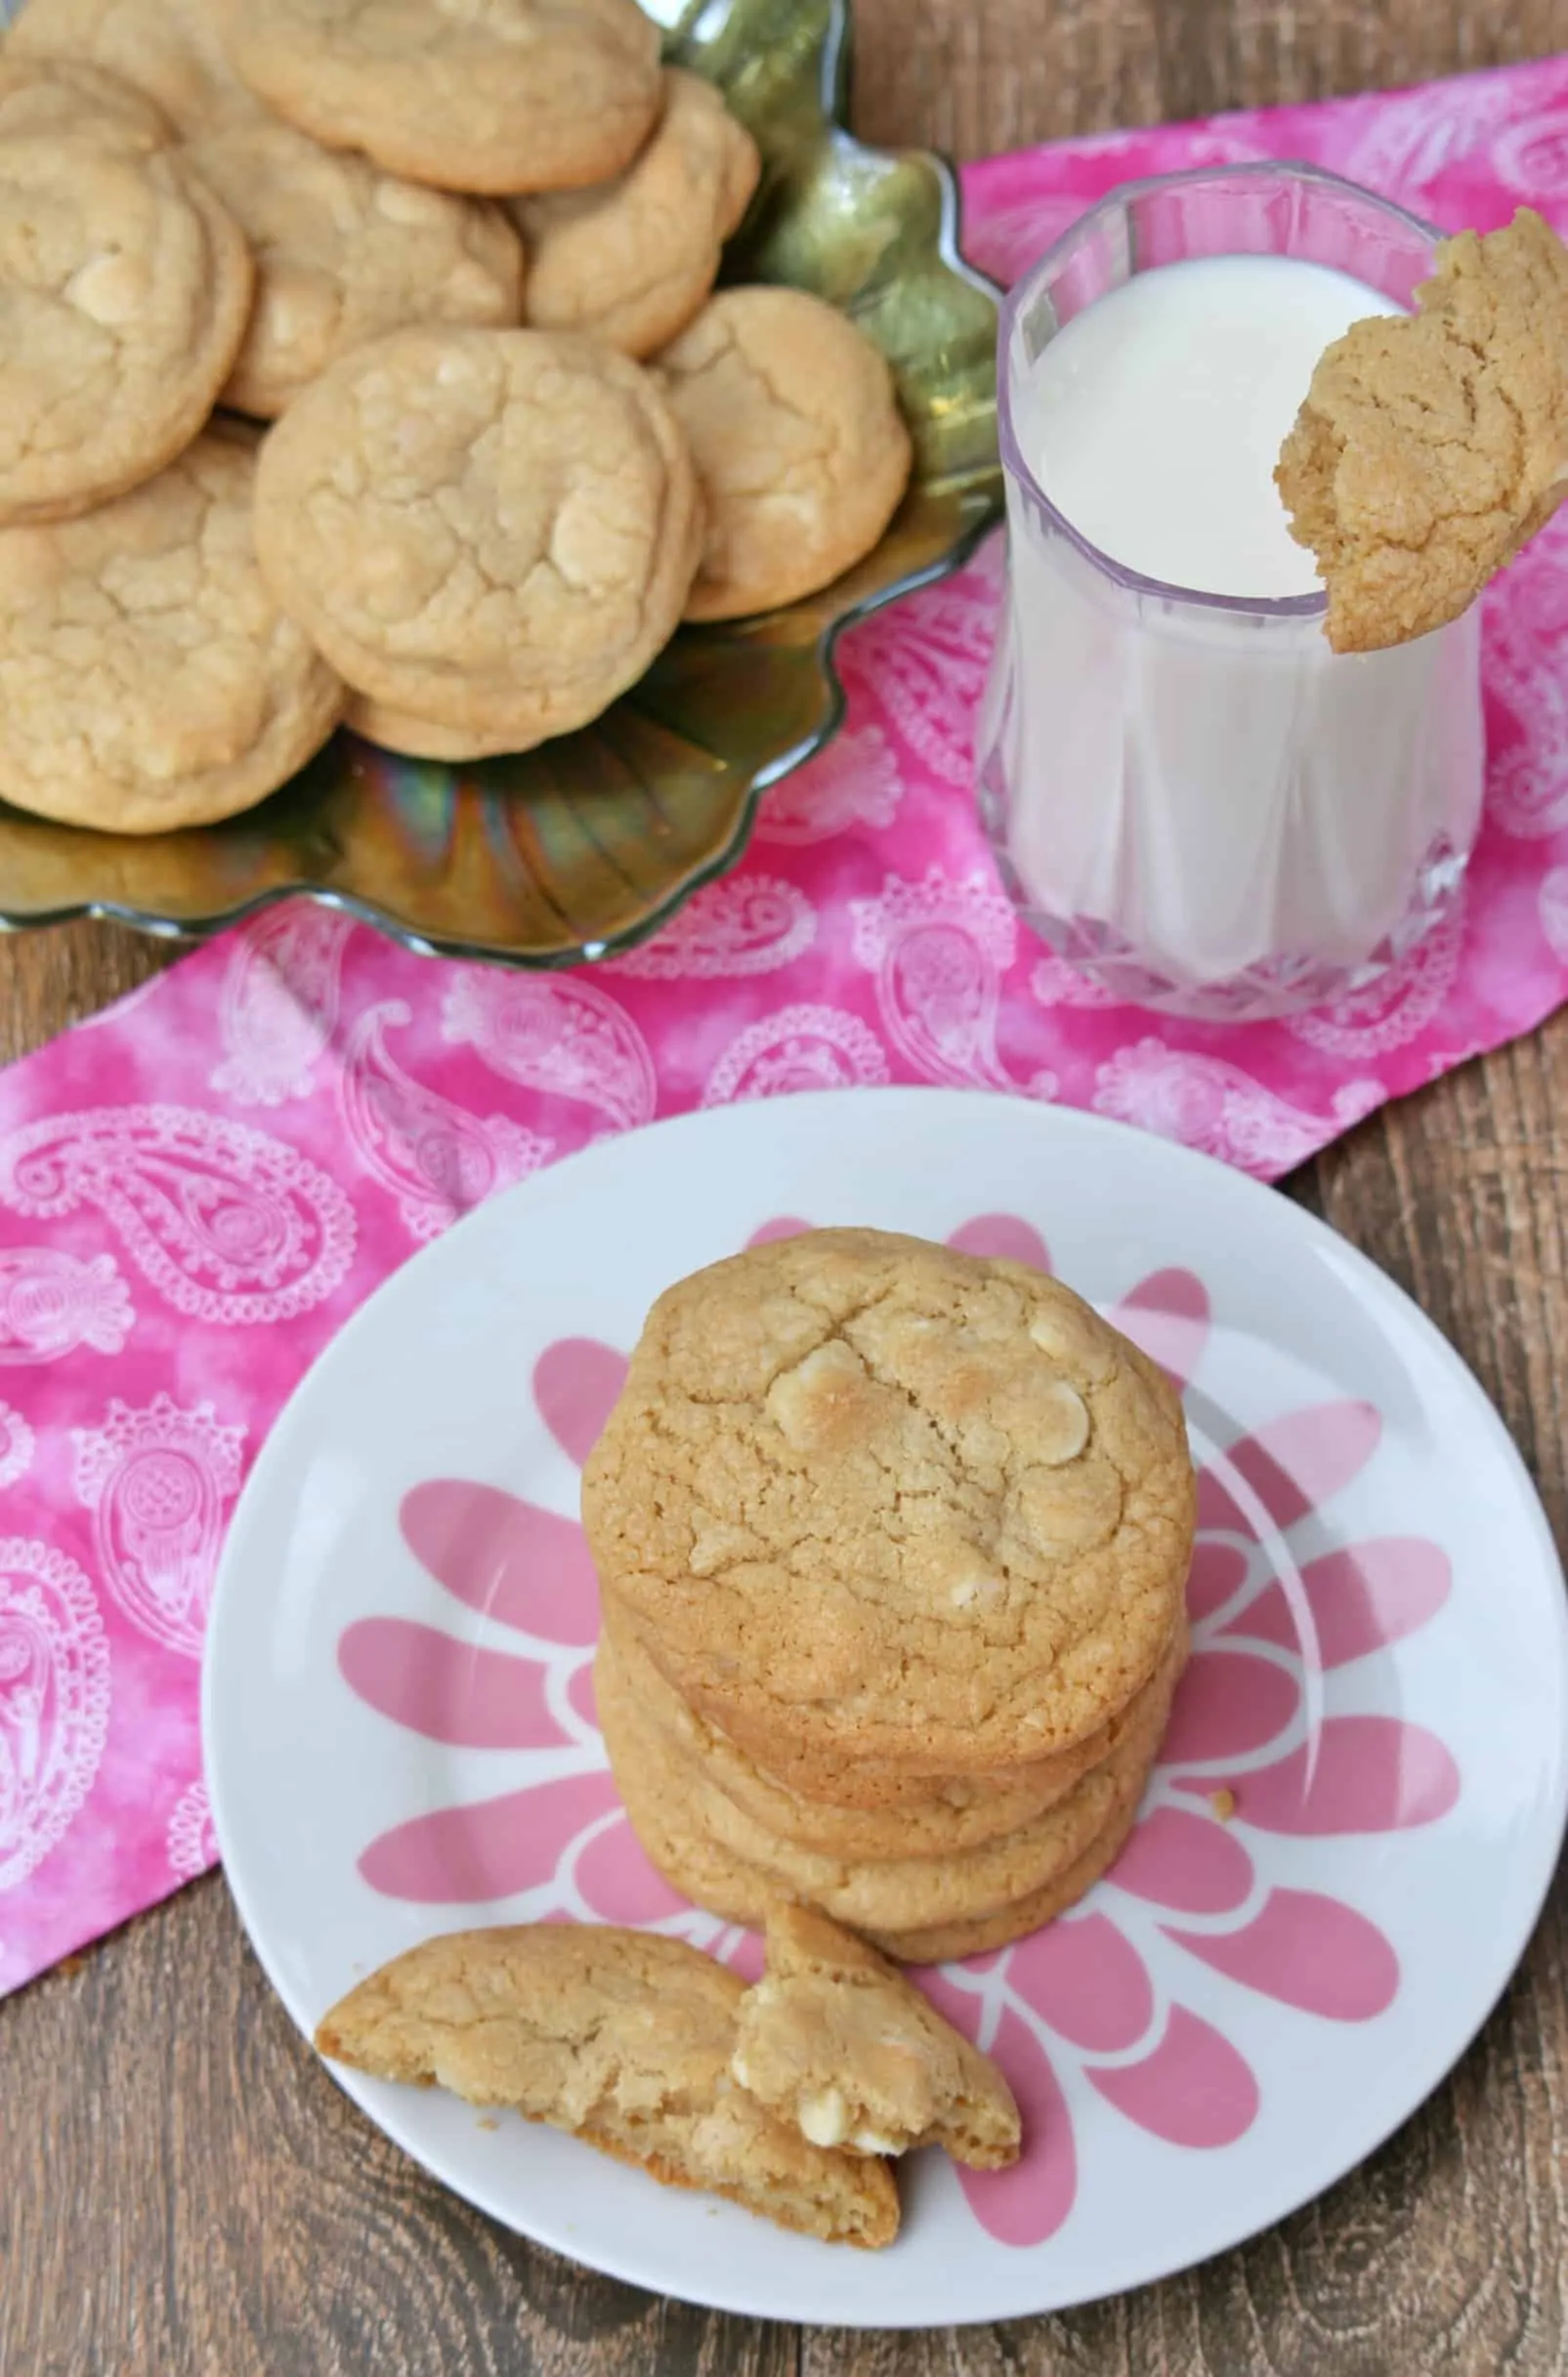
point(228, 1224)
point(435, 1159)
point(54, 1700)
point(158, 1483)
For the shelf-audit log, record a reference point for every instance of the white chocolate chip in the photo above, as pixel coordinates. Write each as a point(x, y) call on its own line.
point(873, 2142)
point(107, 290)
point(403, 203)
point(1066, 1425)
point(469, 290)
point(738, 2071)
point(801, 1401)
point(825, 2118)
point(295, 309)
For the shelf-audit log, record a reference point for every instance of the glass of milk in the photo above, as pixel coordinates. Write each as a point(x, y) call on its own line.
point(1192, 799)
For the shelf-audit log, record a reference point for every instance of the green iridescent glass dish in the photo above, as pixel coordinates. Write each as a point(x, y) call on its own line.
point(587, 844)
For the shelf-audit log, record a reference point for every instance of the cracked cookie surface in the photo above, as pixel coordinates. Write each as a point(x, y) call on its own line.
point(798, 443)
point(124, 289)
point(345, 253)
point(632, 262)
point(623, 2038)
point(513, 95)
point(170, 49)
point(838, 2041)
point(147, 678)
point(490, 530)
point(1431, 446)
point(873, 1498)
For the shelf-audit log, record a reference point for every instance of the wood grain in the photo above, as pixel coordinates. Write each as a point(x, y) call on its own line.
point(185, 2193)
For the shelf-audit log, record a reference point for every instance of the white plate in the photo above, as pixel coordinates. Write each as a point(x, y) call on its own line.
point(1256, 1997)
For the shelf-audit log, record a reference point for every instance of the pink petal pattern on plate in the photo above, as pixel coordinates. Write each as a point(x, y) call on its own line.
point(1168, 1315)
point(575, 1383)
point(1184, 1861)
point(491, 1849)
point(447, 1691)
point(1361, 1599)
point(1004, 1234)
point(747, 1956)
point(1227, 1705)
point(1216, 1570)
point(767, 1233)
point(619, 1883)
point(1294, 1463)
point(1368, 1774)
point(1084, 1978)
point(1193, 2089)
point(1305, 1950)
point(508, 1558)
point(1029, 2203)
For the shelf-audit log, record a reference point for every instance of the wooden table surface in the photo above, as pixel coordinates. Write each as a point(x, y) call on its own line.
point(184, 2192)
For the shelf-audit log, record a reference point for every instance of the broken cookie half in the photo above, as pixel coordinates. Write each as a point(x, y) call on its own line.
point(625, 2039)
point(1432, 446)
point(836, 2039)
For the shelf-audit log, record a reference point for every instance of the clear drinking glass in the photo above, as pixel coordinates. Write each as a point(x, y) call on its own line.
point(1192, 799)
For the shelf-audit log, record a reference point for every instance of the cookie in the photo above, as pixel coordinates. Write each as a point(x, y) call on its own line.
point(634, 261)
point(55, 95)
point(838, 2041)
point(1431, 446)
point(802, 456)
point(713, 1876)
point(516, 94)
point(124, 288)
point(412, 738)
point(872, 1498)
point(345, 253)
point(147, 678)
point(493, 530)
point(940, 1944)
point(169, 49)
point(663, 1788)
point(911, 1816)
point(623, 2038)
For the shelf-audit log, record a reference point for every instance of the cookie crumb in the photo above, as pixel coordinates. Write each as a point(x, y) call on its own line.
point(1223, 1804)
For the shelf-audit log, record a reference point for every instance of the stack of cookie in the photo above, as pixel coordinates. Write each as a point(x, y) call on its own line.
point(464, 258)
point(893, 1544)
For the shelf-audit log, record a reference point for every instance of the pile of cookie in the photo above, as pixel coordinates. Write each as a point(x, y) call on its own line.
point(463, 261)
point(892, 1544)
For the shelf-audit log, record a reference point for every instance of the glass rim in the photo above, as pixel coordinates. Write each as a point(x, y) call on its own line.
point(1274, 607)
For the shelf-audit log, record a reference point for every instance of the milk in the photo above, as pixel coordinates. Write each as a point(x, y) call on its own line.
point(1206, 790)
point(1154, 420)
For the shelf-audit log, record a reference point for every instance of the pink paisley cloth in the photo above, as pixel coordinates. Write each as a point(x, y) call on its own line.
point(199, 1186)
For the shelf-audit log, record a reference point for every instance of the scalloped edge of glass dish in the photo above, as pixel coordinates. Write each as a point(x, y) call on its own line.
point(833, 93)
